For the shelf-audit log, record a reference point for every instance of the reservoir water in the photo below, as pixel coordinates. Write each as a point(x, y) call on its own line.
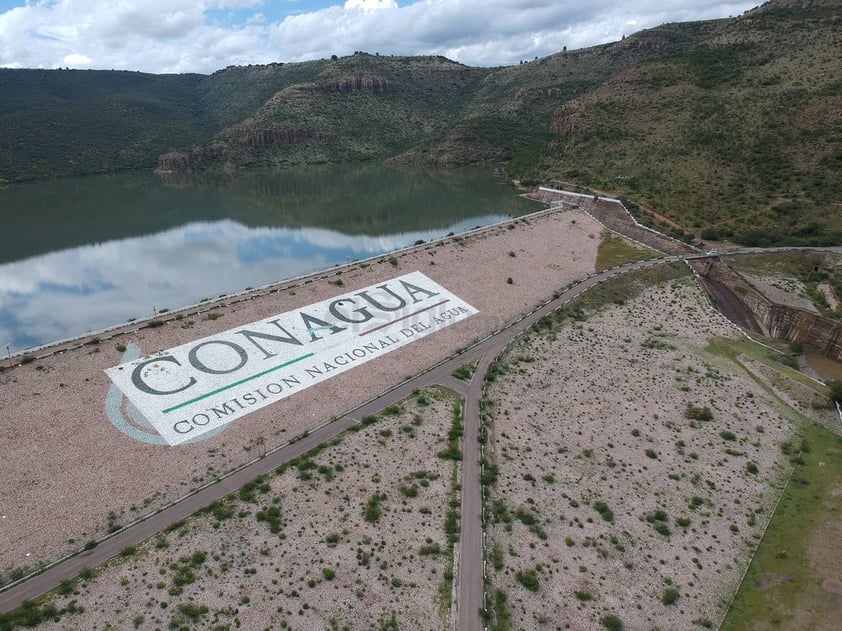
point(82, 254)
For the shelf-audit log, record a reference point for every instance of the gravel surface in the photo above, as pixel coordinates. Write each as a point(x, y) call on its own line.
point(69, 475)
point(591, 422)
point(320, 564)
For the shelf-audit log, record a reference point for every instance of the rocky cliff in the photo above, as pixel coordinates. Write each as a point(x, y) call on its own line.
point(180, 161)
point(373, 85)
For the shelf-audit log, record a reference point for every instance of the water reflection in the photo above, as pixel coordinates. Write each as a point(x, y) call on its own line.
point(66, 293)
point(82, 254)
point(364, 199)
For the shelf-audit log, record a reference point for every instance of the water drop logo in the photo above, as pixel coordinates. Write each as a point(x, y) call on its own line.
point(128, 419)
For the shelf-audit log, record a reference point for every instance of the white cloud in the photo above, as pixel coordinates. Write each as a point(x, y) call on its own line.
point(232, 4)
point(181, 36)
point(370, 5)
point(76, 59)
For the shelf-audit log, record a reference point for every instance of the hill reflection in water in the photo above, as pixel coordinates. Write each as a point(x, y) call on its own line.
point(83, 263)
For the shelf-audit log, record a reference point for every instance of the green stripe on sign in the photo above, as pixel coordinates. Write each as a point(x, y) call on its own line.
point(235, 384)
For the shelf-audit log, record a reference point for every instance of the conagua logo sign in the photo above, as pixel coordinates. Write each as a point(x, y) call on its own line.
point(201, 386)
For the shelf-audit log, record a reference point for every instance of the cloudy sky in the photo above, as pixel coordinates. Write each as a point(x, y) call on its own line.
point(205, 35)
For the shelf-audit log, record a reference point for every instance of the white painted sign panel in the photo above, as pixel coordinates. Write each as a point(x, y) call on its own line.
point(200, 386)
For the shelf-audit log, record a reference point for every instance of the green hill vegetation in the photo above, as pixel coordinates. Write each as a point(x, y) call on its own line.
point(728, 127)
point(57, 123)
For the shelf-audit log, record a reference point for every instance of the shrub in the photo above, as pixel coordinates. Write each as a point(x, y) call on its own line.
point(496, 556)
point(529, 579)
point(463, 372)
point(328, 573)
point(658, 515)
point(727, 435)
point(272, 516)
point(751, 468)
point(611, 622)
point(669, 596)
point(372, 510)
point(451, 525)
point(430, 549)
point(603, 509)
point(651, 453)
point(490, 471)
point(697, 413)
point(192, 611)
point(393, 261)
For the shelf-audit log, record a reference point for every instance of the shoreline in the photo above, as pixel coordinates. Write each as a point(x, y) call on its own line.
point(135, 324)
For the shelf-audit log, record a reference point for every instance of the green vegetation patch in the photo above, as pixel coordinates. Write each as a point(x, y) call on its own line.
point(783, 588)
point(614, 250)
point(466, 371)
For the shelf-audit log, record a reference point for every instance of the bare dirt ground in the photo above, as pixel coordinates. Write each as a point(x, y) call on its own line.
point(615, 497)
point(787, 292)
point(306, 549)
point(66, 469)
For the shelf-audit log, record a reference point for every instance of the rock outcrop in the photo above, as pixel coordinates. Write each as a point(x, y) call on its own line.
point(778, 321)
point(372, 85)
point(181, 161)
point(261, 138)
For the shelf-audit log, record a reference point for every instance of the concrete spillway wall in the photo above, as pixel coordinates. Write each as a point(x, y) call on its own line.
point(749, 308)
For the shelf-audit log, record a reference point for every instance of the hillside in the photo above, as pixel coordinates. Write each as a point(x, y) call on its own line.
point(730, 127)
point(69, 122)
point(361, 107)
point(737, 134)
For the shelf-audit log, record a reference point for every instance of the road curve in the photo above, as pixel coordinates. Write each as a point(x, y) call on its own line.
point(470, 571)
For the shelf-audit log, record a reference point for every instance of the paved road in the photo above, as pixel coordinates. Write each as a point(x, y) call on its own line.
point(470, 571)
